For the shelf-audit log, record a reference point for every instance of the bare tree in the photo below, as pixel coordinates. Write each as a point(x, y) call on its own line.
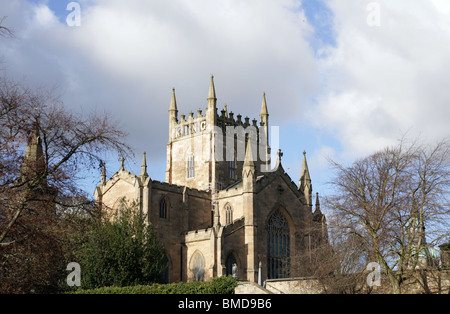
point(383, 203)
point(44, 150)
point(5, 31)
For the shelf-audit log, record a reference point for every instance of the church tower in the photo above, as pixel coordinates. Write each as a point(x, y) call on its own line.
point(33, 164)
point(33, 171)
point(207, 151)
point(220, 211)
point(32, 188)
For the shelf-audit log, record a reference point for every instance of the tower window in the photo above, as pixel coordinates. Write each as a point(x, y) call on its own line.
point(190, 167)
point(232, 169)
point(163, 212)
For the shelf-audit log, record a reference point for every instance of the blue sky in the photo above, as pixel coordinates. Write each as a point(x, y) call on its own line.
point(320, 17)
point(336, 86)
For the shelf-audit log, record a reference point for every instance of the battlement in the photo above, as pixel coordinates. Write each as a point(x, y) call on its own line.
point(189, 126)
point(198, 124)
point(197, 154)
point(227, 119)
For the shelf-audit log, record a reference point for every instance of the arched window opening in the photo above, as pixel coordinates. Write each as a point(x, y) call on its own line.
point(228, 214)
point(198, 267)
point(165, 272)
point(190, 167)
point(119, 207)
point(163, 208)
point(278, 246)
point(231, 260)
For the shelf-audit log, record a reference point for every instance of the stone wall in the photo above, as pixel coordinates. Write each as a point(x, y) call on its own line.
point(200, 242)
point(430, 281)
point(247, 287)
point(295, 286)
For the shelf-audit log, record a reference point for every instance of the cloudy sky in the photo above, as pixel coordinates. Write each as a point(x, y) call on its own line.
point(342, 78)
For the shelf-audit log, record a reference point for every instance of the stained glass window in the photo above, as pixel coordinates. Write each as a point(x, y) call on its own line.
point(278, 246)
point(198, 267)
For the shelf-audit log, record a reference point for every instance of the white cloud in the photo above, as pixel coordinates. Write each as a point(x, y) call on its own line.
point(374, 83)
point(320, 158)
point(382, 81)
point(126, 57)
point(44, 17)
point(442, 6)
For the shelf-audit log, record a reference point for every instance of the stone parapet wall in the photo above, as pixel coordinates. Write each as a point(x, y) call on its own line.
point(247, 287)
point(431, 281)
point(295, 286)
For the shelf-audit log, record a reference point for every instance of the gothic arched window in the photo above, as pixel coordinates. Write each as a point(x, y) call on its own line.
point(231, 259)
point(119, 207)
point(278, 246)
point(165, 273)
point(198, 267)
point(163, 208)
point(228, 214)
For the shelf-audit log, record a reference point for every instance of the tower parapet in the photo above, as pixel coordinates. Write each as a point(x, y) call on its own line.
point(190, 125)
point(215, 139)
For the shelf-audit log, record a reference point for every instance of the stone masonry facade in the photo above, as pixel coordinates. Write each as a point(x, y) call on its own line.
point(221, 203)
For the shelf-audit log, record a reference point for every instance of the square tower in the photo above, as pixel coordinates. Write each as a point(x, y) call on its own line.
point(207, 152)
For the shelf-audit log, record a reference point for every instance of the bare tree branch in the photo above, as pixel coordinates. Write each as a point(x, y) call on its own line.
point(385, 201)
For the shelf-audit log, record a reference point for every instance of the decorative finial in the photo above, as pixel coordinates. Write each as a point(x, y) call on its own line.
point(212, 90)
point(122, 160)
point(248, 160)
point(144, 166)
point(317, 205)
point(305, 178)
point(280, 154)
point(173, 103)
point(264, 112)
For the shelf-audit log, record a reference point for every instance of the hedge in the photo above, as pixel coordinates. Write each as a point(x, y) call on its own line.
point(220, 285)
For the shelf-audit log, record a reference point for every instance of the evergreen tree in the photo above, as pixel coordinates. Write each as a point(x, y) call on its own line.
point(122, 251)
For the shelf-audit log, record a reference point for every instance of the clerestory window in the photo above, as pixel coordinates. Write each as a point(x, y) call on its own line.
point(190, 167)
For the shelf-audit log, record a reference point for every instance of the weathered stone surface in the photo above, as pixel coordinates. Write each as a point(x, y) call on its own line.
point(197, 203)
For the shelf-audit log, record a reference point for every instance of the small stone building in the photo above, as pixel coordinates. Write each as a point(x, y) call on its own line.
point(221, 203)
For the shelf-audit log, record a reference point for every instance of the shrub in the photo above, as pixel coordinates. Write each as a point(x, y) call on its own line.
point(121, 252)
point(220, 285)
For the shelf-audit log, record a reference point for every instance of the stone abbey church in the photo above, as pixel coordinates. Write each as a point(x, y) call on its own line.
point(221, 209)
